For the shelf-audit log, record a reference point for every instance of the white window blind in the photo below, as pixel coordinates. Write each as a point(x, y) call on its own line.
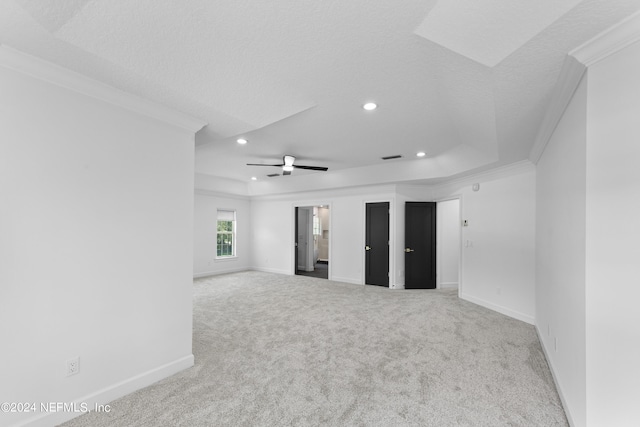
point(226, 215)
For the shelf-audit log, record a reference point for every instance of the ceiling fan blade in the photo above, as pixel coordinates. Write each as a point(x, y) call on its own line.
point(262, 164)
point(286, 173)
point(311, 168)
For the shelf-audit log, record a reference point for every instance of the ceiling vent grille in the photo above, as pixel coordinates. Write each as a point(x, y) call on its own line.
point(397, 156)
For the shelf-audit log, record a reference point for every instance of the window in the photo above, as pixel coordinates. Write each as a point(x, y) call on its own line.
point(226, 238)
point(316, 226)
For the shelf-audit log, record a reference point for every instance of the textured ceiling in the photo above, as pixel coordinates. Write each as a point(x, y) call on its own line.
point(488, 31)
point(466, 81)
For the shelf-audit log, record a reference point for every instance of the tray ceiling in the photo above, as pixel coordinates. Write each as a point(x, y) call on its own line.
point(466, 81)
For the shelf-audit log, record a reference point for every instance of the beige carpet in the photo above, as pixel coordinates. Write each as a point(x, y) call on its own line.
point(275, 350)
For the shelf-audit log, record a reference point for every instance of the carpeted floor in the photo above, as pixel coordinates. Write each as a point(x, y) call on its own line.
point(275, 350)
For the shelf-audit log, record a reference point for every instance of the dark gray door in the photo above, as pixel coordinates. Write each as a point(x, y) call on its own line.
point(377, 244)
point(420, 245)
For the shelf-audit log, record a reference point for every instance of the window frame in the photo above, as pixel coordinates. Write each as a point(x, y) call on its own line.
point(222, 216)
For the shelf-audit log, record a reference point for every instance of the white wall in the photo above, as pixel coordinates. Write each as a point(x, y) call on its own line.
point(273, 229)
point(448, 243)
point(220, 186)
point(560, 254)
point(272, 236)
point(498, 269)
point(586, 292)
point(205, 231)
point(96, 249)
point(348, 237)
point(613, 204)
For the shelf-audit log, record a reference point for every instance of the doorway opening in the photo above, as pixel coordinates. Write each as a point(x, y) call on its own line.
point(312, 231)
point(449, 248)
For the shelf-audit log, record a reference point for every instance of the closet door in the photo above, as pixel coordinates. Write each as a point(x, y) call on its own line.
point(377, 244)
point(420, 245)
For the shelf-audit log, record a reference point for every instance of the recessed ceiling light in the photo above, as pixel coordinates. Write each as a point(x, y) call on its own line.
point(421, 154)
point(369, 106)
point(242, 141)
point(253, 178)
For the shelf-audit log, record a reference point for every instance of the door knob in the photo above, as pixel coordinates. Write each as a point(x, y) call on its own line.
point(367, 248)
point(407, 250)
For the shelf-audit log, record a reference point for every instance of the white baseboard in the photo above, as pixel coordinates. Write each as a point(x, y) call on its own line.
point(500, 309)
point(346, 280)
point(271, 270)
point(448, 285)
point(112, 392)
point(217, 272)
point(555, 378)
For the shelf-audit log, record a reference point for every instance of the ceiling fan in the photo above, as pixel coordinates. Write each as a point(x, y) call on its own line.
point(288, 166)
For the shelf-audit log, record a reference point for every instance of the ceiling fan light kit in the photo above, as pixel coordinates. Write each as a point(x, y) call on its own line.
point(288, 165)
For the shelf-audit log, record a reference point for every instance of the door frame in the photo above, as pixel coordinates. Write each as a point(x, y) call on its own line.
point(427, 240)
point(293, 236)
point(307, 213)
point(392, 239)
point(460, 246)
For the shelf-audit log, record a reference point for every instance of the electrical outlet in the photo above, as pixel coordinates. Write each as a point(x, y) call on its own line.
point(73, 366)
point(499, 291)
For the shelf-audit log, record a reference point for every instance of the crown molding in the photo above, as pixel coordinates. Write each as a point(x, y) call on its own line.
point(578, 60)
point(63, 77)
point(210, 193)
point(493, 174)
point(609, 41)
point(327, 193)
point(568, 81)
point(499, 172)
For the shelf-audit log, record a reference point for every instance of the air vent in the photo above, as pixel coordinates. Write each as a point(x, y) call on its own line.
point(397, 156)
point(271, 175)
